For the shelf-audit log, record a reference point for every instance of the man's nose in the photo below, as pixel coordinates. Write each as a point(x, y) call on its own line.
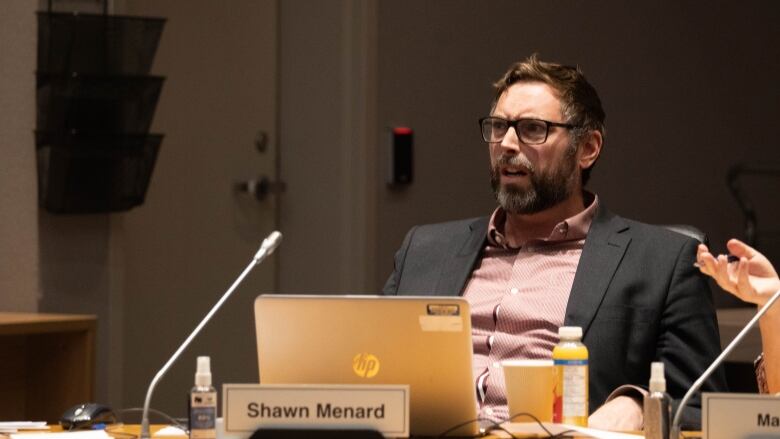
point(511, 141)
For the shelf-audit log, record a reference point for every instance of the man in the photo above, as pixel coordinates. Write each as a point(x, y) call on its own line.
point(551, 255)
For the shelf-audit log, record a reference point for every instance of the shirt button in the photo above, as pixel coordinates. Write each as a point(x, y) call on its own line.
point(514, 291)
point(488, 411)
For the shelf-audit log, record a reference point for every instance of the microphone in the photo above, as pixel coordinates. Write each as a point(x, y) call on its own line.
point(698, 383)
point(266, 248)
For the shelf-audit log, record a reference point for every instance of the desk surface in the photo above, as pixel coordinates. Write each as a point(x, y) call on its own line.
point(127, 431)
point(34, 323)
point(123, 431)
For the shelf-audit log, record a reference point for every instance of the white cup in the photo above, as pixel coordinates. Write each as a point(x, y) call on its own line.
point(529, 388)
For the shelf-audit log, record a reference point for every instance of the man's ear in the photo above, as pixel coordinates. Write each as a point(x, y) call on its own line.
point(589, 149)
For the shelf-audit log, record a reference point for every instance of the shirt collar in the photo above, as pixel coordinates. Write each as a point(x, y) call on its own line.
point(572, 228)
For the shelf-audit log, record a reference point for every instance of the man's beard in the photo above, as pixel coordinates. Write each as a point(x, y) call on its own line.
point(546, 189)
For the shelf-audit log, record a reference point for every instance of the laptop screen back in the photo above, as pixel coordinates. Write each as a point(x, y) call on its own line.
point(424, 342)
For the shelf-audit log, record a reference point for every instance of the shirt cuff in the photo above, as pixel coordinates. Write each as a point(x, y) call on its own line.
point(634, 392)
point(630, 390)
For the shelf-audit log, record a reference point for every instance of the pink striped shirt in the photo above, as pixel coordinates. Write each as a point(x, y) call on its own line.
point(518, 300)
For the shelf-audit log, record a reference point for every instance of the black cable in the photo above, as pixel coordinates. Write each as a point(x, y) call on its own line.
point(462, 424)
point(517, 415)
point(561, 435)
point(499, 427)
point(496, 425)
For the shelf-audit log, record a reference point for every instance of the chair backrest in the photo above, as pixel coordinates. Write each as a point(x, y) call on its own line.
point(689, 231)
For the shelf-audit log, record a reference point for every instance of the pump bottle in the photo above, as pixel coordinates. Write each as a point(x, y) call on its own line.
point(657, 407)
point(203, 403)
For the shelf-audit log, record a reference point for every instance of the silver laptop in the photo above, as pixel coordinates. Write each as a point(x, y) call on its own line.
point(424, 342)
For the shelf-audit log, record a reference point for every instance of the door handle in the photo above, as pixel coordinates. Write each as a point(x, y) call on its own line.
point(261, 187)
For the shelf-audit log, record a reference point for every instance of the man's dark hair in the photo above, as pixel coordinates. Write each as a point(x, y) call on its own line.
point(580, 104)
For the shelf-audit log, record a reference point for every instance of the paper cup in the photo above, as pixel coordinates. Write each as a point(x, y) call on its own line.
point(529, 389)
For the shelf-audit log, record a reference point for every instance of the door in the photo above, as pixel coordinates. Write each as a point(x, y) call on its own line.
point(195, 233)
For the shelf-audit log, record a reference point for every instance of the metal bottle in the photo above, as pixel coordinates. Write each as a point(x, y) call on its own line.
point(657, 407)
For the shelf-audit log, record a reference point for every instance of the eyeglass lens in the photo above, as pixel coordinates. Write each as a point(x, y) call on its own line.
point(529, 131)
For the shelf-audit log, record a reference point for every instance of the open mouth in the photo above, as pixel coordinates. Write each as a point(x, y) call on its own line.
point(514, 172)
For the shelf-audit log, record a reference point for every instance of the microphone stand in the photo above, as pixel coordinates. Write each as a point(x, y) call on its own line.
point(675, 434)
point(266, 248)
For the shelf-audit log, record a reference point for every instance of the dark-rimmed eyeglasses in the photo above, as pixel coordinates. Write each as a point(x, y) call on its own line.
point(529, 131)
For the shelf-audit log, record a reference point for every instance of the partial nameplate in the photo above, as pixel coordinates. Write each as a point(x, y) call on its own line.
point(383, 407)
point(740, 415)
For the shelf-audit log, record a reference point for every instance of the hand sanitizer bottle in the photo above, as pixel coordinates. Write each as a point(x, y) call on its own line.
point(657, 409)
point(203, 403)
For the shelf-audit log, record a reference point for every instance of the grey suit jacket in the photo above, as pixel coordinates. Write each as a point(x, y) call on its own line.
point(636, 295)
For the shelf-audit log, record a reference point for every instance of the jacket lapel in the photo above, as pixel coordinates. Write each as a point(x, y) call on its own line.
point(464, 251)
point(605, 246)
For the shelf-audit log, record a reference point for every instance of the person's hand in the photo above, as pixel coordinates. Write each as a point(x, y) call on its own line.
point(620, 414)
point(752, 279)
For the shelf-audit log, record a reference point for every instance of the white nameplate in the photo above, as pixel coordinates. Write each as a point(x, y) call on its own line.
point(246, 407)
point(740, 415)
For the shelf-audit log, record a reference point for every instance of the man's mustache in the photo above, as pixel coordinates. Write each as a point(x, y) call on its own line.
point(515, 160)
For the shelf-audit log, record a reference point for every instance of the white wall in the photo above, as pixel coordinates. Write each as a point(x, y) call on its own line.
point(19, 287)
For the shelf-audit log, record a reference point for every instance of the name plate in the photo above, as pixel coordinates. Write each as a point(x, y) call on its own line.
point(246, 407)
point(740, 415)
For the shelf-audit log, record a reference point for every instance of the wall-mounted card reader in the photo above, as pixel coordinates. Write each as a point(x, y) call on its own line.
point(401, 152)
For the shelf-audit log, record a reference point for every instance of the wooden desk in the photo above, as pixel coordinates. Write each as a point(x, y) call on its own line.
point(132, 431)
point(47, 364)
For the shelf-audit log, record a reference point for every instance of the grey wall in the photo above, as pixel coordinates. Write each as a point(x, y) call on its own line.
point(19, 286)
point(327, 131)
point(184, 247)
point(48, 263)
point(80, 267)
point(689, 89)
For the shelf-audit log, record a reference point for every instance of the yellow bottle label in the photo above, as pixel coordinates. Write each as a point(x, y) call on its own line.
point(570, 405)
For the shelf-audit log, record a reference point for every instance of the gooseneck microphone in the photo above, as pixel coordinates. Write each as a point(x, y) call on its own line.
point(266, 248)
point(675, 433)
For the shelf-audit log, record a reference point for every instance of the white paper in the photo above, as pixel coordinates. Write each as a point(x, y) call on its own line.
point(534, 428)
point(14, 426)
point(86, 434)
point(170, 430)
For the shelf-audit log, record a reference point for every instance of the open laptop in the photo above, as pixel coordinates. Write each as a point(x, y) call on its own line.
point(424, 342)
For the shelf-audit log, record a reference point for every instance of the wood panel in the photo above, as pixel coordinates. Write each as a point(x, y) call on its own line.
point(48, 364)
